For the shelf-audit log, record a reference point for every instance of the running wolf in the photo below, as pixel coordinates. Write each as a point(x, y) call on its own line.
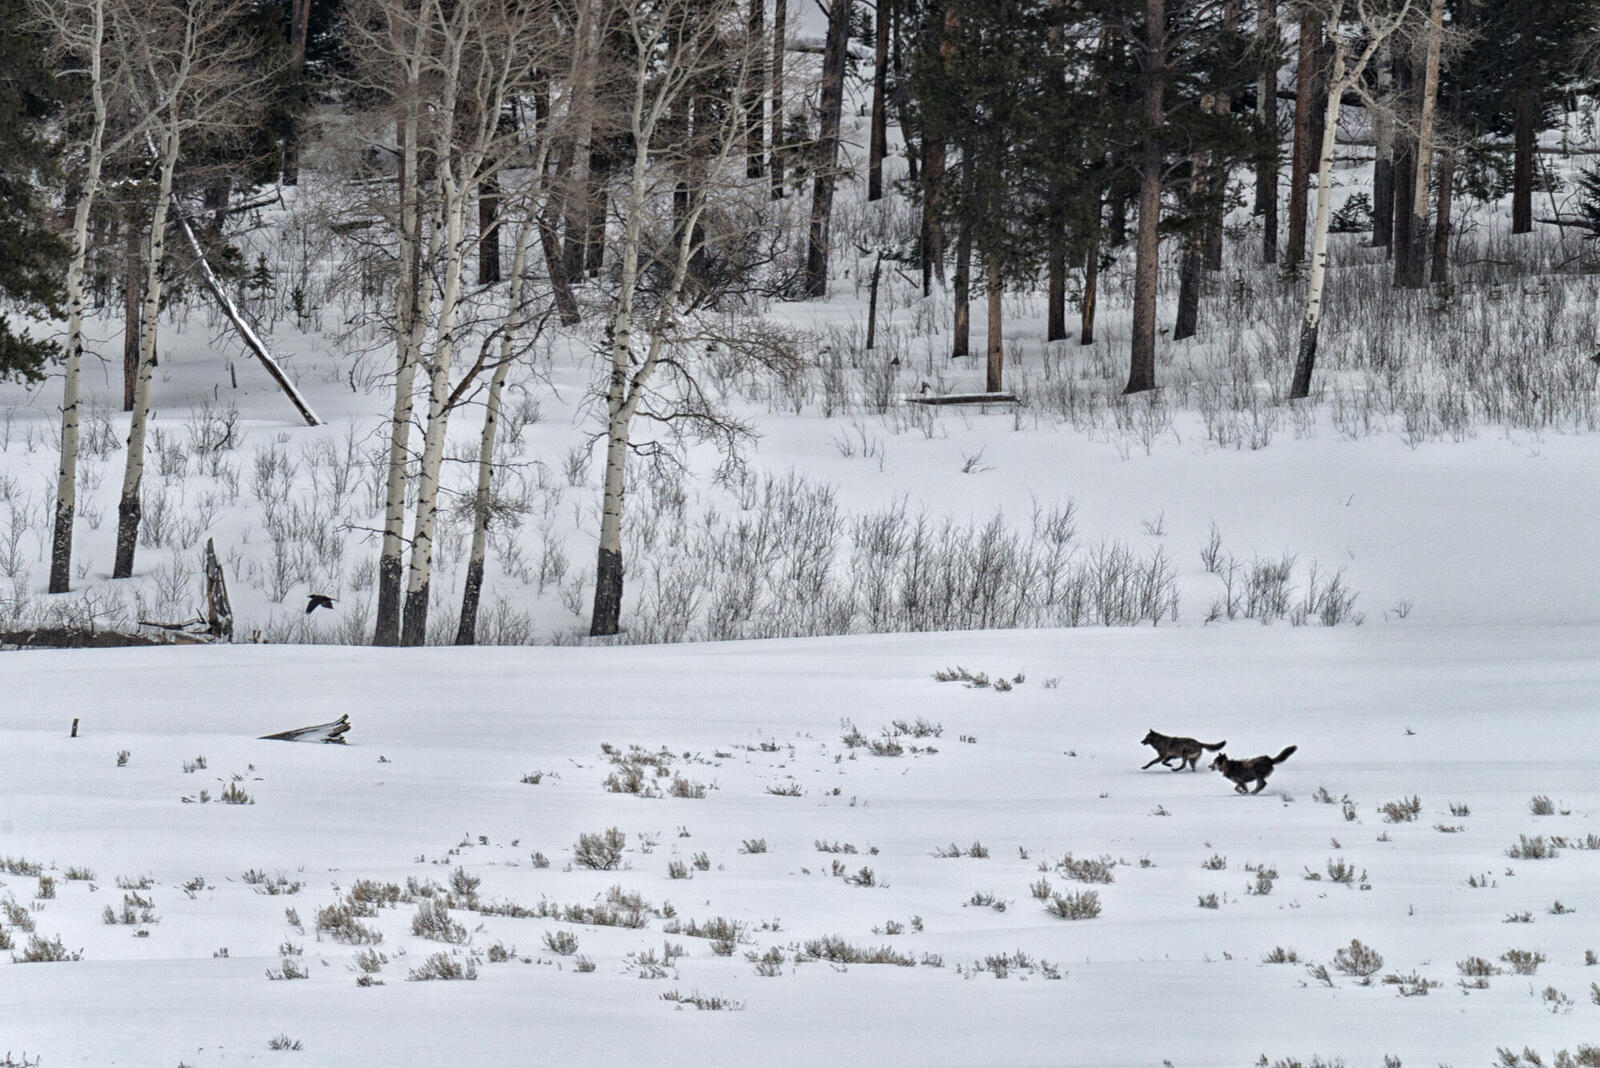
point(1187, 750)
point(1256, 769)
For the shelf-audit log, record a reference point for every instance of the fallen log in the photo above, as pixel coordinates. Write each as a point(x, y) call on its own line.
point(332, 733)
point(962, 398)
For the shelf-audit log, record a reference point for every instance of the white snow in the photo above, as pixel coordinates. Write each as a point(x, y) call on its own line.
point(1486, 717)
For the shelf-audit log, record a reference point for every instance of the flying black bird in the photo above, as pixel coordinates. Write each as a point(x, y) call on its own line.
point(319, 600)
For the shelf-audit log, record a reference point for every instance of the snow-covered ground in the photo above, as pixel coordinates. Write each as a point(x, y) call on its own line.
point(1473, 721)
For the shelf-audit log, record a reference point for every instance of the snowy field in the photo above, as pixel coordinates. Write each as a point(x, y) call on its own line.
point(1474, 722)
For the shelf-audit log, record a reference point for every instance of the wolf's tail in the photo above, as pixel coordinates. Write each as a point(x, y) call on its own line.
point(1213, 748)
point(1281, 757)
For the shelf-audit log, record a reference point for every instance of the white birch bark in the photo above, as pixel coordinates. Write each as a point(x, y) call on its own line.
point(1344, 74)
point(1430, 97)
point(410, 320)
point(449, 225)
point(627, 383)
point(484, 55)
point(466, 630)
point(128, 510)
point(67, 475)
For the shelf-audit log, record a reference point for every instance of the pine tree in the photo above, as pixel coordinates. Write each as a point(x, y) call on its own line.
point(1520, 55)
point(32, 257)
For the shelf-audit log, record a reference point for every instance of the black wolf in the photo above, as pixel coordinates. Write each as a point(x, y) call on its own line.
point(1255, 770)
point(1187, 750)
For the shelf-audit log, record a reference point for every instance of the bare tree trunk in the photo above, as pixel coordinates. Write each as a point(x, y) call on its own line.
point(219, 612)
point(1267, 109)
point(1441, 222)
point(755, 140)
point(67, 475)
point(132, 301)
point(1341, 76)
point(995, 367)
point(1187, 322)
point(1055, 328)
point(419, 569)
point(411, 297)
point(299, 30)
point(1294, 252)
point(961, 333)
point(488, 231)
point(560, 285)
point(1147, 247)
point(128, 508)
point(1414, 275)
point(482, 510)
point(931, 243)
point(880, 121)
point(1091, 282)
point(832, 105)
point(1383, 163)
point(780, 40)
point(584, 104)
point(1221, 105)
point(1525, 116)
point(595, 241)
point(872, 303)
point(1311, 322)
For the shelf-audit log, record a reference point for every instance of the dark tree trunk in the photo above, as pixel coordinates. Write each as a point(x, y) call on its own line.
point(128, 514)
point(1056, 285)
point(61, 548)
point(994, 370)
point(1266, 204)
point(607, 617)
point(299, 30)
point(1147, 247)
point(872, 303)
point(1441, 222)
point(600, 164)
point(1294, 252)
point(779, 42)
point(1091, 282)
point(1383, 200)
point(1305, 363)
point(1526, 119)
point(414, 628)
point(755, 140)
point(832, 105)
point(1118, 225)
point(1403, 176)
point(467, 628)
point(931, 245)
point(880, 82)
point(961, 333)
point(560, 284)
point(391, 582)
point(489, 229)
point(132, 299)
point(1187, 323)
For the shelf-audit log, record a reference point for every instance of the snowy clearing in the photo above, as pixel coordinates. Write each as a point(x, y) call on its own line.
point(1476, 722)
